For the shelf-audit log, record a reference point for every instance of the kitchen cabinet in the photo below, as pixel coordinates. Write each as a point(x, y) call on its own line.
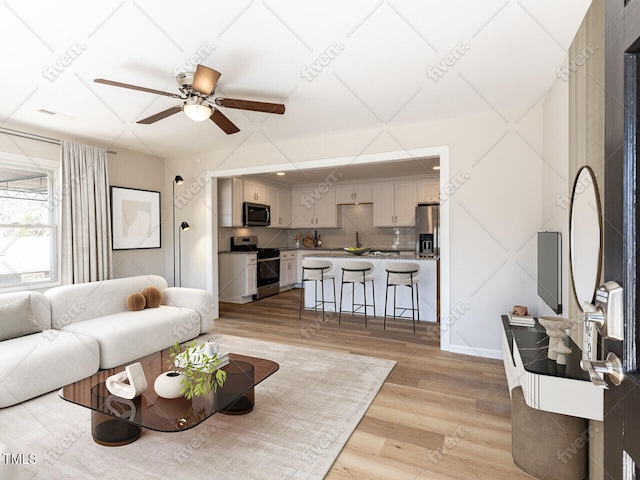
point(350, 194)
point(394, 204)
point(288, 268)
point(311, 208)
point(279, 199)
point(429, 191)
point(230, 200)
point(255, 192)
point(237, 276)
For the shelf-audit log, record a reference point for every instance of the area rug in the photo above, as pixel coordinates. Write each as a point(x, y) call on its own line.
point(304, 415)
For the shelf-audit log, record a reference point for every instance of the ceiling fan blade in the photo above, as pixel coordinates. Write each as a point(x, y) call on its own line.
point(251, 105)
point(135, 87)
point(160, 115)
point(205, 79)
point(223, 122)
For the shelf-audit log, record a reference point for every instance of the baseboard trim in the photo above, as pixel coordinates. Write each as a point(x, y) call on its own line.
point(476, 352)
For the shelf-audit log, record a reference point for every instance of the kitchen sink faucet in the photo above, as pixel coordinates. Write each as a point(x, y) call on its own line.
point(358, 245)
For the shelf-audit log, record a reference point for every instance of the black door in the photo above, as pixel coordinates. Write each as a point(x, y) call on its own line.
point(622, 96)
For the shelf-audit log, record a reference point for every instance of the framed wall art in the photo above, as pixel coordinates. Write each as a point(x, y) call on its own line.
point(135, 218)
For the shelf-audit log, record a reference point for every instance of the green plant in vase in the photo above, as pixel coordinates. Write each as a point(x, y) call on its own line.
point(199, 366)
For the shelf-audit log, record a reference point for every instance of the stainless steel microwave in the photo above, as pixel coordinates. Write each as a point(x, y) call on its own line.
point(256, 215)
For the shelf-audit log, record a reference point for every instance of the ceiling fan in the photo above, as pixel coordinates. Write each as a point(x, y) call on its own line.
point(197, 90)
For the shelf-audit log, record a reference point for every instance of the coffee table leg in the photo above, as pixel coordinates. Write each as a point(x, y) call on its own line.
point(236, 396)
point(112, 432)
point(109, 430)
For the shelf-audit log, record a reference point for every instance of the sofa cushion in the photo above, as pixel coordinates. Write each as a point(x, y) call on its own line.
point(16, 319)
point(42, 362)
point(153, 296)
point(127, 336)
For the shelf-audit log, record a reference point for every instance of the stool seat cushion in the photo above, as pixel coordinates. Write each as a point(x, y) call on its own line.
point(317, 276)
point(356, 277)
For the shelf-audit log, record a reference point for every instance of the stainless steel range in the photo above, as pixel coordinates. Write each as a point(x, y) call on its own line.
point(268, 271)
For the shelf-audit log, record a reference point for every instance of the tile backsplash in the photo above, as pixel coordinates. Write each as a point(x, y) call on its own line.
point(351, 218)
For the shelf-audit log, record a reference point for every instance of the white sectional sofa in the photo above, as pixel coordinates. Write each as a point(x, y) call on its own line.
point(34, 364)
point(87, 327)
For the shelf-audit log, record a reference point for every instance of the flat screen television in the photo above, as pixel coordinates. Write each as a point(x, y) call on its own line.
point(550, 269)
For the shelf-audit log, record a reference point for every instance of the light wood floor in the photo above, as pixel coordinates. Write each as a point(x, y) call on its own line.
point(438, 416)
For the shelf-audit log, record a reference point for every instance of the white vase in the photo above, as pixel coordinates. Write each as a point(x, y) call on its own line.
point(169, 384)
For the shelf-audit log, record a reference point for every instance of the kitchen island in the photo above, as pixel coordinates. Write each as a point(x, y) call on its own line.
point(427, 283)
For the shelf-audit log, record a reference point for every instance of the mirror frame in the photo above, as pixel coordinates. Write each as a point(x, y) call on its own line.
point(594, 182)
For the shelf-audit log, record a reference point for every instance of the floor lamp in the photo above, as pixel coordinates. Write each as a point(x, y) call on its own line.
point(183, 226)
point(176, 181)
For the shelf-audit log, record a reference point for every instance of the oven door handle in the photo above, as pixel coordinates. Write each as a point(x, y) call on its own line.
point(268, 259)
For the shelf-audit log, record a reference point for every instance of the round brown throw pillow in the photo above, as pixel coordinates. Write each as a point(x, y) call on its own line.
point(135, 302)
point(153, 296)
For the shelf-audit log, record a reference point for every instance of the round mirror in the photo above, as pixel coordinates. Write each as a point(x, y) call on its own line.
point(585, 234)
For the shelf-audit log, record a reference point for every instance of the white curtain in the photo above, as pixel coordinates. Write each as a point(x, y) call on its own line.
point(86, 226)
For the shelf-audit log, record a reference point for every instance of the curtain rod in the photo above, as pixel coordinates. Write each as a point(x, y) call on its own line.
point(39, 138)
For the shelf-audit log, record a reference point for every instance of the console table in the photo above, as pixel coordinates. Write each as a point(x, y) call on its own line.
point(547, 386)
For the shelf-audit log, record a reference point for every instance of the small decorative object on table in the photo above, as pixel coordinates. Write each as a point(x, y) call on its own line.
point(356, 250)
point(128, 384)
point(200, 367)
point(555, 327)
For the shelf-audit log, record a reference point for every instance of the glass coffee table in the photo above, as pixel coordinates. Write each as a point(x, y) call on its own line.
point(117, 421)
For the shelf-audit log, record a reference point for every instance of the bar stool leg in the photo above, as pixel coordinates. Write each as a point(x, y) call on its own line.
point(335, 305)
point(386, 295)
point(341, 296)
point(301, 297)
point(373, 297)
point(364, 301)
point(413, 310)
point(322, 287)
point(417, 303)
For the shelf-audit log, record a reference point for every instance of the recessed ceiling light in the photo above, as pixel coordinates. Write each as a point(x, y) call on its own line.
point(281, 174)
point(436, 167)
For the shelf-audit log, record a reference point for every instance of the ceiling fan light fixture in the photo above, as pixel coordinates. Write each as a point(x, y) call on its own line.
point(196, 111)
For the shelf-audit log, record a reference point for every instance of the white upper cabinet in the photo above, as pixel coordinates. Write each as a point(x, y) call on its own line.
point(313, 208)
point(230, 202)
point(394, 204)
point(279, 199)
point(255, 192)
point(353, 193)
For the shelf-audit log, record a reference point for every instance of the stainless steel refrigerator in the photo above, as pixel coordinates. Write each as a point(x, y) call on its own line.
point(428, 229)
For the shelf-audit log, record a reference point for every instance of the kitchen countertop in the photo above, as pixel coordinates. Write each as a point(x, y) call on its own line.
point(406, 255)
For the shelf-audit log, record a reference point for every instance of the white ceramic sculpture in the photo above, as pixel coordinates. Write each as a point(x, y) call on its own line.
point(555, 327)
point(128, 384)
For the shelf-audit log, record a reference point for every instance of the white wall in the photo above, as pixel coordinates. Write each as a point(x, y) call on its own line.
point(556, 186)
point(494, 193)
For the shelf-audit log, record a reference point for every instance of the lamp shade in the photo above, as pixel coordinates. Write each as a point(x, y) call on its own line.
point(178, 180)
point(184, 226)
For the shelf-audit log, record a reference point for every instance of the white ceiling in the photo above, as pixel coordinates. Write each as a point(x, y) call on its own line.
point(374, 64)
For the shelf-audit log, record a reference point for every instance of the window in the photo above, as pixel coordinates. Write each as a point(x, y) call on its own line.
point(28, 232)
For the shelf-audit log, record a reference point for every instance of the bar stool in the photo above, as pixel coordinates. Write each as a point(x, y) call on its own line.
point(358, 272)
point(401, 274)
point(317, 271)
